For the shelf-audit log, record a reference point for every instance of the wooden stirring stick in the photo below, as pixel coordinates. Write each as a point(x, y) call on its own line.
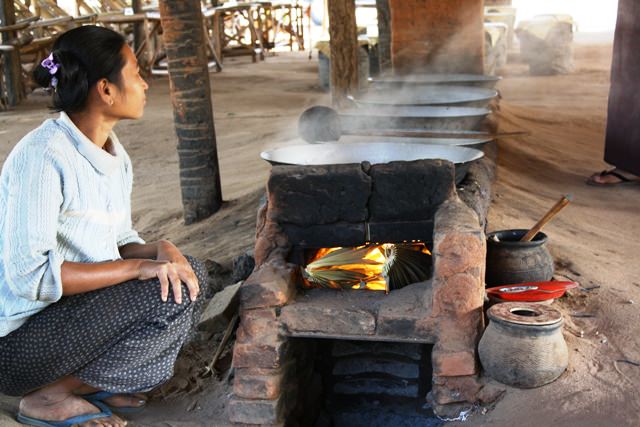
point(560, 204)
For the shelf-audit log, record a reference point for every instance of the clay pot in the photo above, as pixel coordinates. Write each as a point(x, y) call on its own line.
point(510, 261)
point(523, 344)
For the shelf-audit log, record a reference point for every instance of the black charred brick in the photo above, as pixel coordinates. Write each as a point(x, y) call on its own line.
point(398, 232)
point(408, 191)
point(305, 195)
point(326, 236)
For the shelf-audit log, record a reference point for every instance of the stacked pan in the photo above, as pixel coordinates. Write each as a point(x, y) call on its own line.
point(434, 116)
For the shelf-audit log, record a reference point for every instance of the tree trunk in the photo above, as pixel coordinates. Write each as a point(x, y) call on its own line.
point(192, 110)
point(11, 68)
point(384, 34)
point(344, 50)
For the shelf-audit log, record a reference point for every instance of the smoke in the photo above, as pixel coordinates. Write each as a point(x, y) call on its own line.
point(590, 15)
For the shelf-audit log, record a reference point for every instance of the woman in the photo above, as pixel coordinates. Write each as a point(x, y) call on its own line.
point(86, 319)
point(622, 143)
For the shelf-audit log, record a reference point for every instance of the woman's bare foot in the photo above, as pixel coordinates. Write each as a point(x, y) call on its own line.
point(118, 400)
point(58, 407)
point(612, 177)
point(135, 400)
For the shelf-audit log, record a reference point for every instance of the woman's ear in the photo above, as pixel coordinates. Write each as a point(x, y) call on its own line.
point(105, 91)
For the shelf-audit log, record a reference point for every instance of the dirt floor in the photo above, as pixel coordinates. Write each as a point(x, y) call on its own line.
point(594, 240)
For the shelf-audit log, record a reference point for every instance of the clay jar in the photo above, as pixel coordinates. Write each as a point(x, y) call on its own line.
point(510, 261)
point(523, 344)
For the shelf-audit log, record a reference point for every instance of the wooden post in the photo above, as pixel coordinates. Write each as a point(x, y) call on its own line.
point(384, 34)
point(12, 68)
point(344, 50)
point(138, 30)
point(183, 37)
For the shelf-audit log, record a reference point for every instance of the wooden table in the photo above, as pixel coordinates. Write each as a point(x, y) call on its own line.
point(238, 31)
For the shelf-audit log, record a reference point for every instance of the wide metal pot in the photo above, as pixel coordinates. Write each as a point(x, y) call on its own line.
point(383, 152)
point(478, 80)
point(476, 143)
point(412, 117)
point(460, 96)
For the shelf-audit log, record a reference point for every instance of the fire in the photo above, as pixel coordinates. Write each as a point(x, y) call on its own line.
point(364, 267)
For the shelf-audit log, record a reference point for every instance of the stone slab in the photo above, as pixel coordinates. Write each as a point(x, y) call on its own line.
point(220, 309)
point(329, 320)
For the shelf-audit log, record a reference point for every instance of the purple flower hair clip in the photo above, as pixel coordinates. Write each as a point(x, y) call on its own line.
point(50, 64)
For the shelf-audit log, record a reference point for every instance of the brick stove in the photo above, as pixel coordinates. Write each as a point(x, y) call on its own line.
point(351, 205)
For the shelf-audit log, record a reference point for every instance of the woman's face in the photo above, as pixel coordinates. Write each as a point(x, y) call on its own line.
point(130, 93)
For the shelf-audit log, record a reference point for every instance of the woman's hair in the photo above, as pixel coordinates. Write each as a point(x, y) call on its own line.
point(81, 57)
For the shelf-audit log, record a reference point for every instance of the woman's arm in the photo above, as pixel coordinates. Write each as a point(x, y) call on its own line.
point(80, 277)
point(85, 277)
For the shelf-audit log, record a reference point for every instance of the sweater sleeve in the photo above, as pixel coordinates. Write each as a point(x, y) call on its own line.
point(127, 234)
point(34, 199)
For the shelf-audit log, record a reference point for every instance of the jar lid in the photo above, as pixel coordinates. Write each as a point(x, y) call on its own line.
point(524, 314)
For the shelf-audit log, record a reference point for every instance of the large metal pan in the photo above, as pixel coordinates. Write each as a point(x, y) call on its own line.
point(412, 117)
point(383, 152)
point(478, 80)
point(459, 96)
point(320, 123)
point(476, 143)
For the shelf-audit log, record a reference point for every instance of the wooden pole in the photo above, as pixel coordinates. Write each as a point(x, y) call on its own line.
point(138, 30)
point(183, 37)
point(384, 34)
point(344, 50)
point(11, 69)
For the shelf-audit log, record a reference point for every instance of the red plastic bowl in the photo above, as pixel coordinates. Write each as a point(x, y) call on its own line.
point(531, 292)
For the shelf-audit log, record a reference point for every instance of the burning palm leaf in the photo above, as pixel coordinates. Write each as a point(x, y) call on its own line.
point(343, 268)
point(406, 264)
point(377, 267)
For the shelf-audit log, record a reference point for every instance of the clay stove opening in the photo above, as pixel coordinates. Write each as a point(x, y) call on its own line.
point(371, 267)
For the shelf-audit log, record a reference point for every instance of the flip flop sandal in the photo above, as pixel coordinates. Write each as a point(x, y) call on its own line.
point(78, 419)
point(100, 396)
point(611, 172)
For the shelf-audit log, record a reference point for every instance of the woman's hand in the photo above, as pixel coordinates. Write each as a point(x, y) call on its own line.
point(171, 268)
point(170, 273)
point(168, 265)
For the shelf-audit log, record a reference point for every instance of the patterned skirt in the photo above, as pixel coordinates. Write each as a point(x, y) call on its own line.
point(122, 339)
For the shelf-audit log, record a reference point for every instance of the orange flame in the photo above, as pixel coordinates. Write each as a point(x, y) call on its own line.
point(371, 271)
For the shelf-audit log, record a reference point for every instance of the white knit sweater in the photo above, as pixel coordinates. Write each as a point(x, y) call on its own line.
point(62, 198)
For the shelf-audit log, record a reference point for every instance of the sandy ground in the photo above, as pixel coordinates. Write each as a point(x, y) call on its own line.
point(594, 240)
